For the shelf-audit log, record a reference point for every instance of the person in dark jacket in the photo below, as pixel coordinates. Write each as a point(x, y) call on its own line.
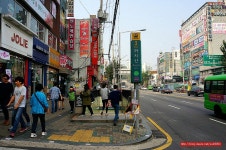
point(6, 91)
point(86, 99)
point(115, 97)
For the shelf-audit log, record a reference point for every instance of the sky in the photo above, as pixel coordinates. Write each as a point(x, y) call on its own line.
point(161, 19)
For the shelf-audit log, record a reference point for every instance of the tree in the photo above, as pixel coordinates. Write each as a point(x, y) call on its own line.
point(223, 49)
point(109, 71)
point(145, 78)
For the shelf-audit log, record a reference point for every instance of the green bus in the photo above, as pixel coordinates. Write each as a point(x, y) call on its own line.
point(215, 94)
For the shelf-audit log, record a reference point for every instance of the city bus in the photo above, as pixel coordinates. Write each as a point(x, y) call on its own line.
point(215, 94)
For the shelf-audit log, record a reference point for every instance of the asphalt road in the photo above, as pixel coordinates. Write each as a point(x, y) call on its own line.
point(184, 118)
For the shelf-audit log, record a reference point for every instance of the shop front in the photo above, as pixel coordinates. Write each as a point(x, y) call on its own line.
point(15, 48)
point(39, 64)
point(53, 69)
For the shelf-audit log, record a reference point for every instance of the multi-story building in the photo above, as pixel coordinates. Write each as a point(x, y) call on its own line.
point(201, 36)
point(32, 40)
point(168, 65)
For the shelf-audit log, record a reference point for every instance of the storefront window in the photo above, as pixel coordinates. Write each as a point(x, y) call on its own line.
point(20, 14)
point(38, 28)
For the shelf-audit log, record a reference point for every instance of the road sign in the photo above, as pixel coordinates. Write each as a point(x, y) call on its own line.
point(136, 73)
point(213, 60)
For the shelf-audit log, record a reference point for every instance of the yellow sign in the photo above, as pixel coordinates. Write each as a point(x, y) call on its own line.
point(135, 36)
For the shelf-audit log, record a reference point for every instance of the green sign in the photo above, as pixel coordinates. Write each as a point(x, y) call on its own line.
point(213, 60)
point(136, 71)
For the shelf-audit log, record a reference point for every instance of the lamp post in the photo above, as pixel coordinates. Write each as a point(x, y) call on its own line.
point(119, 52)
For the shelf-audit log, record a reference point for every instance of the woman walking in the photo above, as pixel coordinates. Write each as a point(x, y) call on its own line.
point(38, 103)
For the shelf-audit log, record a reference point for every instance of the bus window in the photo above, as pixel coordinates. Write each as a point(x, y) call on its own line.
point(207, 87)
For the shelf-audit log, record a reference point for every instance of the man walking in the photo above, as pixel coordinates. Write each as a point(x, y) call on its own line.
point(6, 91)
point(54, 96)
point(115, 97)
point(19, 99)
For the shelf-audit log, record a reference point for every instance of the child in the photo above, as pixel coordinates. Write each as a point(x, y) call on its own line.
point(71, 98)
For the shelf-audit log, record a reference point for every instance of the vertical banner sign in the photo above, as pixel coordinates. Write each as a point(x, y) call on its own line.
point(94, 44)
point(71, 34)
point(70, 6)
point(84, 38)
point(135, 44)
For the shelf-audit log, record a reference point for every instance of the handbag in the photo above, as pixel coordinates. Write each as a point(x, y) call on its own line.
point(45, 108)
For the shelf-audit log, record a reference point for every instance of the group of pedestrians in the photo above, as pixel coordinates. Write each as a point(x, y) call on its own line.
point(39, 104)
point(17, 96)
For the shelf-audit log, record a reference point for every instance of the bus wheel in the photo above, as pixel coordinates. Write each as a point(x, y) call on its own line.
point(217, 111)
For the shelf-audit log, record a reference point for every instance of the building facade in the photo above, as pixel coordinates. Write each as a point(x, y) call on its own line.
point(201, 36)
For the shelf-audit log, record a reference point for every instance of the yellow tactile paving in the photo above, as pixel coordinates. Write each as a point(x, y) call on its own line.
point(81, 136)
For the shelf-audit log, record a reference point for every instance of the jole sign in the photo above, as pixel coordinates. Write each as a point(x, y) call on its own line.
point(19, 40)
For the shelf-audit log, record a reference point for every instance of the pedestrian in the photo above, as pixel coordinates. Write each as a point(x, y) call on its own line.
point(6, 91)
point(38, 104)
point(115, 97)
point(71, 98)
point(104, 96)
point(54, 96)
point(86, 100)
point(61, 99)
point(19, 99)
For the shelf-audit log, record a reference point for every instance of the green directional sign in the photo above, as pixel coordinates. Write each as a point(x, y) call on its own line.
point(136, 71)
point(213, 60)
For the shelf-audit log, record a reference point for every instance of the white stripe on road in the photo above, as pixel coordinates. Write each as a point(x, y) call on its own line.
point(174, 106)
point(187, 102)
point(153, 100)
point(218, 121)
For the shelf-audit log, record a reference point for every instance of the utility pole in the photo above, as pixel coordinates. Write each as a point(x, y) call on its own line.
point(102, 16)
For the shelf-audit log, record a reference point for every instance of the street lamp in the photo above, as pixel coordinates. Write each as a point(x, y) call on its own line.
point(119, 52)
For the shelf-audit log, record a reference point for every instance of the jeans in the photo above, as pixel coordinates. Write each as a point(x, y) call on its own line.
point(116, 107)
point(25, 114)
point(35, 122)
point(17, 113)
point(54, 105)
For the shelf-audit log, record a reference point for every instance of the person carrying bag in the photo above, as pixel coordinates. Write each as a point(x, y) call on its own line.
point(38, 105)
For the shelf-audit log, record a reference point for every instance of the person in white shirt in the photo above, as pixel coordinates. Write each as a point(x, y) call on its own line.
point(104, 95)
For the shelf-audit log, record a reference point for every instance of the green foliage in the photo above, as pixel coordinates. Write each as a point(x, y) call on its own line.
point(223, 49)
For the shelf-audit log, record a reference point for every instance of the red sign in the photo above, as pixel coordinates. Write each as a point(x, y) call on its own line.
point(66, 62)
point(71, 34)
point(84, 38)
point(94, 44)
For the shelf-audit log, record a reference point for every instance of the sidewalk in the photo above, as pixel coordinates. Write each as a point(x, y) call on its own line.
point(71, 131)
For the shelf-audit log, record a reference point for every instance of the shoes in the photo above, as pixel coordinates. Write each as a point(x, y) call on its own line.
point(71, 112)
point(22, 130)
point(33, 135)
point(6, 122)
point(12, 135)
point(101, 113)
point(10, 128)
point(44, 133)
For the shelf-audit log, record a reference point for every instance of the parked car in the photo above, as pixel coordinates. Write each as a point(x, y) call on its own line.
point(156, 89)
point(196, 91)
point(166, 90)
point(143, 88)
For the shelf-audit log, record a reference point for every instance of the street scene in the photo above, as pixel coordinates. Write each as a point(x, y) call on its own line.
point(111, 74)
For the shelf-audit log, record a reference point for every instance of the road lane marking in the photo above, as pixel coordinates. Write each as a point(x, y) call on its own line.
point(173, 106)
point(168, 137)
point(218, 121)
point(153, 100)
point(187, 102)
